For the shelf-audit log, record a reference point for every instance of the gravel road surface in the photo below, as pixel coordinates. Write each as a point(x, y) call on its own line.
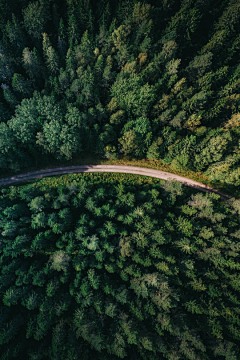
point(110, 168)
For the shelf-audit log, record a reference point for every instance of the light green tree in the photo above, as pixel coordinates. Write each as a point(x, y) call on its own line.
point(59, 260)
point(35, 16)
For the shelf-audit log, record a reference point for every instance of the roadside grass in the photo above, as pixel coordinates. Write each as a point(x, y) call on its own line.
point(152, 164)
point(95, 178)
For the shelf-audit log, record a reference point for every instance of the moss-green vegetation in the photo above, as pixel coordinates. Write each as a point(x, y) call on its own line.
point(100, 266)
point(108, 266)
point(154, 80)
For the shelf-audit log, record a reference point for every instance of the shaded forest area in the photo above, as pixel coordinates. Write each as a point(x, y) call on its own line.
point(155, 79)
point(118, 266)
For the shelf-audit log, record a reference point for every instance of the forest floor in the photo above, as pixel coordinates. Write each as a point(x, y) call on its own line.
point(110, 168)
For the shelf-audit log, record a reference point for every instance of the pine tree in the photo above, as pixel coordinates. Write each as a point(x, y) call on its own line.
point(32, 64)
point(73, 31)
point(35, 16)
point(21, 85)
point(51, 57)
point(16, 35)
point(10, 98)
point(62, 38)
point(71, 64)
point(104, 12)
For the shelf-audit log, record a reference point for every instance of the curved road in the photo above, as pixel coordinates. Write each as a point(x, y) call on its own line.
point(110, 168)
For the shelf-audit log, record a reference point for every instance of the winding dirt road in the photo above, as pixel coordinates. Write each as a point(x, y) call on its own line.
point(110, 168)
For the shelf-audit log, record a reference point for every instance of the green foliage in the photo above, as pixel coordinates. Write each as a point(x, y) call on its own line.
point(116, 266)
point(123, 76)
point(136, 137)
point(21, 85)
point(59, 260)
point(132, 95)
point(61, 141)
point(135, 258)
point(199, 65)
point(32, 63)
point(35, 16)
point(7, 147)
point(51, 56)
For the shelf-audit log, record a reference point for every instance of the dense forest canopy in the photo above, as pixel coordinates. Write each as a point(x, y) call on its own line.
point(109, 266)
point(150, 79)
point(118, 266)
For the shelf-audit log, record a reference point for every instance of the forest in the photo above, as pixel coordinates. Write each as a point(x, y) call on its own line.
point(119, 266)
point(152, 80)
point(109, 266)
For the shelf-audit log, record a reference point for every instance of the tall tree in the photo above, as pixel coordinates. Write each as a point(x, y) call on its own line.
point(35, 16)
